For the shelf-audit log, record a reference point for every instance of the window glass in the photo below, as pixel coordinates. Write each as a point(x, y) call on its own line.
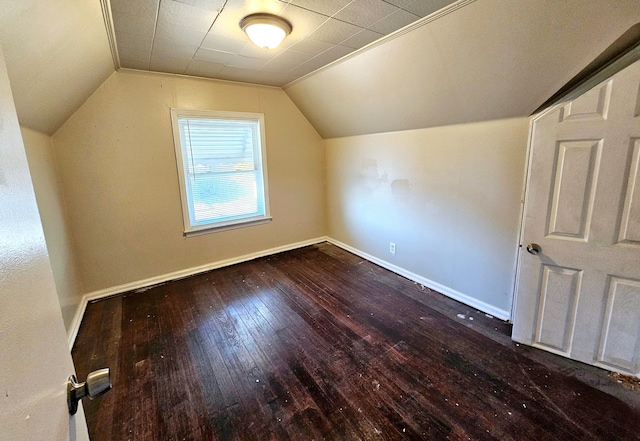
point(221, 163)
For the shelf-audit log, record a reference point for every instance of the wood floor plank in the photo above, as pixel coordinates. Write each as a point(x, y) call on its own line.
point(317, 343)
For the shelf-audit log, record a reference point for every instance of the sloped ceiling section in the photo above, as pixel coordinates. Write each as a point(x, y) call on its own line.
point(488, 60)
point(203, 37)
point(57, 54)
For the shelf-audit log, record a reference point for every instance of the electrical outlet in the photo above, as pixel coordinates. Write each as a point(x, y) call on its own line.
point(392, 248)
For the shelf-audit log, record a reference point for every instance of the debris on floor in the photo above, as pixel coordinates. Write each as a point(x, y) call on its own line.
point(627, 381)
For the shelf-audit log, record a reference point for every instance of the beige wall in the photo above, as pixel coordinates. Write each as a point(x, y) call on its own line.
point(118, 173)
point(449, 197)
point(51, 207)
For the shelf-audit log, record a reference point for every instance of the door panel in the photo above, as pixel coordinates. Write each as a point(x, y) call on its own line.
point(593, 105)
point(580, 296)
point(630, 219)
point(577, 166)
point(558, 300)
point(621, 331)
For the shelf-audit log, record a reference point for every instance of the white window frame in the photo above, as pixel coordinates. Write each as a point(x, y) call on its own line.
point(189, 228)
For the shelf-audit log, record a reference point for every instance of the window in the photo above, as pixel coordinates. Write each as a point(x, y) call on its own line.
point(222, 169)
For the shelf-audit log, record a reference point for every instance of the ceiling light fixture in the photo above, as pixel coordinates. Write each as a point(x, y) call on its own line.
point(265, 30)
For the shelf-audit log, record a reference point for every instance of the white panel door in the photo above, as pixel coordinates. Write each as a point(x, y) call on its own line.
point(580, 296)
point(34, 356)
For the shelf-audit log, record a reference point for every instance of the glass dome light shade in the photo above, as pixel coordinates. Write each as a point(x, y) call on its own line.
point(265, 30)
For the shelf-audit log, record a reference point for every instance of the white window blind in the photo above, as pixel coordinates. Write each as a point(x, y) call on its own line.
point(221, 167)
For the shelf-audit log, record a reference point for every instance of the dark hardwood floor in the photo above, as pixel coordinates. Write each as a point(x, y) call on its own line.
point(317, 344)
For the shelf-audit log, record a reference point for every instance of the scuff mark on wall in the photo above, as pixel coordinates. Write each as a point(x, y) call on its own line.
point(370, 176)
point(401, 190)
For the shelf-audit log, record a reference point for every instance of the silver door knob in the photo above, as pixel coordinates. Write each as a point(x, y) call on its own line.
point(98, 383)
point(534, 248)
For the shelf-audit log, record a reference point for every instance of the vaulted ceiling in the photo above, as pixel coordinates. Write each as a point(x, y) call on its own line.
point(203, 37)
point(402, 64)
point(487, 60)
point(57, 54)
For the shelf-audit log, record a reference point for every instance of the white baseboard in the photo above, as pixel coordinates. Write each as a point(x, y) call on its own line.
point(72, 333)
point(131, 286)
point(449, 292)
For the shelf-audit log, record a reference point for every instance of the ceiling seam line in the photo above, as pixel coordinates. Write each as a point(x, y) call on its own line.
point(410, 27)
point(153, 37)
point(205, 36)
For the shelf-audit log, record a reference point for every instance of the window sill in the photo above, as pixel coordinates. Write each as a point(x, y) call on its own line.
point(227, 226)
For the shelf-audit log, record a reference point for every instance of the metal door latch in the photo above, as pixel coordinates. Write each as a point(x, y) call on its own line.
point(98, 383)
point(534, 248)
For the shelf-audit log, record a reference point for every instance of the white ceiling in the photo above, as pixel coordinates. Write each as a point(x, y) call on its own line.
point(57, 54)
point(203, 37)
point(488, 60)
point(469, 61)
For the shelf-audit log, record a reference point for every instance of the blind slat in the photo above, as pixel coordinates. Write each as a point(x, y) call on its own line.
point(222, 168)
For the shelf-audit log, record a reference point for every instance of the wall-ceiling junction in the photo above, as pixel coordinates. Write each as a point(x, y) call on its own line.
point(448, 63)
point(203, 37)
point(57, 54)
point(488, 60)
